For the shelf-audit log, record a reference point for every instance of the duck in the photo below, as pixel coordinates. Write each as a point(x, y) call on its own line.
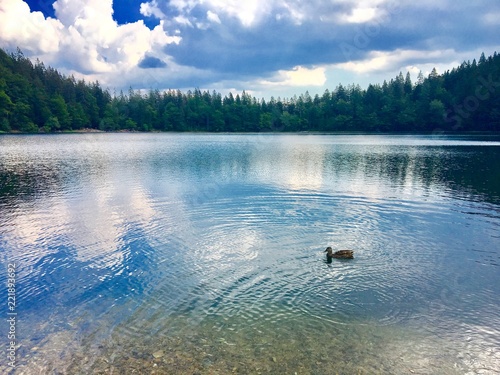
point(343, 254)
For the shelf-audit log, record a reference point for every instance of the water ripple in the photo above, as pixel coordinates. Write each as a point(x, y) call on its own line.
point(158, 240)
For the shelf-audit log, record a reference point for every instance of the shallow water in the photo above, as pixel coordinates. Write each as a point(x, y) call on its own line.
point(192, 253)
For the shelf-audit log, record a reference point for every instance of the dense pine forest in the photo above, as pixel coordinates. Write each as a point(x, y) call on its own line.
point(35, 98)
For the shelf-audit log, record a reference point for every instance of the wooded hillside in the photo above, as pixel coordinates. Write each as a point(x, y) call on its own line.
point(36, 98)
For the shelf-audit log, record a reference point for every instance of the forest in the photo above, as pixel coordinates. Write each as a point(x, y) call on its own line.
point(35, 98)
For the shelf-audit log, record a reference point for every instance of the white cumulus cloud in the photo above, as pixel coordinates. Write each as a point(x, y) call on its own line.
point(152, 9)
point(213, 17)
point(392, 60)
point(299, 76)
point(84, 38)
point(31, 30)
point(361, 15)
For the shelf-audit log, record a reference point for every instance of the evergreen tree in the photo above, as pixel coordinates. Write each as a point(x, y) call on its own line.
point(37, 98)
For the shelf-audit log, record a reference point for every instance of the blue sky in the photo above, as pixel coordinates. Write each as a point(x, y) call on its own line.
point(266, 47)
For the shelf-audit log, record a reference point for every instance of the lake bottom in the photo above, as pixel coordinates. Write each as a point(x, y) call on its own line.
point(281, 344)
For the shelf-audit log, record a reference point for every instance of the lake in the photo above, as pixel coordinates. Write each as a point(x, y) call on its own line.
point(204, 253)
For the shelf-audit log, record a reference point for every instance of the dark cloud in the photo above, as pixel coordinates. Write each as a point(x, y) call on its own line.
point(250, 45)
point(276, 45)
point(228, 49)
point(282, 44)
point(149, 62)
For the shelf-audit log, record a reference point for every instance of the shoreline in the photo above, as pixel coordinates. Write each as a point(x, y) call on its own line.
point(91, 130)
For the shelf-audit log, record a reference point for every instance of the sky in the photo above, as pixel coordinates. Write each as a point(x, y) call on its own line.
point(267, 47)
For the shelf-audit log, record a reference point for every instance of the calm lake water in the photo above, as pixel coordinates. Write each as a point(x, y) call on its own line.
point(194, 253)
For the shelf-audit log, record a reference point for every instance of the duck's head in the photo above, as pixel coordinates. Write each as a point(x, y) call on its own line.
point(328, 250)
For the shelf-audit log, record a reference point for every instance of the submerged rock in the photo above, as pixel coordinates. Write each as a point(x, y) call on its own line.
point(158, 354)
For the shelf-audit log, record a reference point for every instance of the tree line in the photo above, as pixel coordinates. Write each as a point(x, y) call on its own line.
point(34, 98)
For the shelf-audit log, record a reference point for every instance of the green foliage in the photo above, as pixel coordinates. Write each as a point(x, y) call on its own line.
point(5, 105)
point(5, 125)
point(266, 121)
point(436, 112)
point(52, 125)
point(466, 98)
point(130, 124)
point(20, 117)
point(60, 110)
point(33, 96)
